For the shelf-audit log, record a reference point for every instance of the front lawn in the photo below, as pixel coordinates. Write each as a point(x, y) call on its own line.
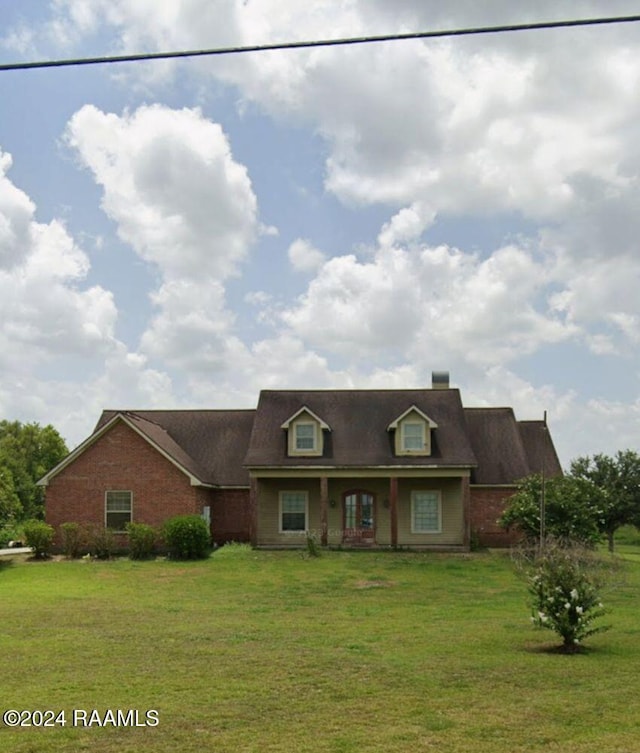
point(272, 651)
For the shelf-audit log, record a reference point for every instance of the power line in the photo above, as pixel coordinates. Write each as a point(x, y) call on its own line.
point(132, 58)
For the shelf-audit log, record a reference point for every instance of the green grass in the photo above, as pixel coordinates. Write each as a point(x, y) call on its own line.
point(275, 651)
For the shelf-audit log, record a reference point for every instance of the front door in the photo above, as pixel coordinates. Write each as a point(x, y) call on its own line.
point(359, 522)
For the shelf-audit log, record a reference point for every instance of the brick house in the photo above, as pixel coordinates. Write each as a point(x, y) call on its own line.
point(356, 468)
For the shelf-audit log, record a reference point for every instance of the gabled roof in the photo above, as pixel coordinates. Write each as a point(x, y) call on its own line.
point(508, 450)
point(216, 447)
point(308, 411)
point(412, 409)
point(359, 420)
point(207, 445)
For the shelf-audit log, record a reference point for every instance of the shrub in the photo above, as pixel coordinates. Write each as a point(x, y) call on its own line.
point(39, 536)
point(187, 537)
point(565, 580)
point(101, 542)
point(142, 541)
point(313, 550)
point(72, 539)
point(10, 532)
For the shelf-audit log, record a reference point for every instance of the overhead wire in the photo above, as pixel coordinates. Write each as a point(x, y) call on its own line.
point(470, 31)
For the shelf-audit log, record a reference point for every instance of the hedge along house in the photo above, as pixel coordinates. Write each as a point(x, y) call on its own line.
point(355, 468)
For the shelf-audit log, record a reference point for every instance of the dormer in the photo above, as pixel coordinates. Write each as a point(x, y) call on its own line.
point(412, 432)
point(305, 433)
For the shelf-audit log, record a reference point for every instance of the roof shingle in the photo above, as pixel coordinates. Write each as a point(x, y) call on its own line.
point(359, 421)
point(209, 444)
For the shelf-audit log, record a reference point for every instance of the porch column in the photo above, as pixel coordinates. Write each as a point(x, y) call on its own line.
point(393, 510)
point(466, 512)
point(324, 506)
point(253, 511)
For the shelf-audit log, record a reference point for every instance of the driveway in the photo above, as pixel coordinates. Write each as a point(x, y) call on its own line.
point(16, 550)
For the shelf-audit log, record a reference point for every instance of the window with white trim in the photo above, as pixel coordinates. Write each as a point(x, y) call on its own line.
point(413, 436)
point(293, 512)
point(305, 437)
point(118, 509)
point(426, 512)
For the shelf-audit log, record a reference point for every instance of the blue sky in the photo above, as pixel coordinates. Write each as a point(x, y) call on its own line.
point(184, 234)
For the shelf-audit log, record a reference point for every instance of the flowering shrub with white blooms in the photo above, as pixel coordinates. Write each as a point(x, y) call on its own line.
point(565, 583)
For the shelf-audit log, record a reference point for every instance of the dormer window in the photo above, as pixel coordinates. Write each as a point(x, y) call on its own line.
point(413, 436)
point(305, 433)
point(305, 439)
point(412, 432)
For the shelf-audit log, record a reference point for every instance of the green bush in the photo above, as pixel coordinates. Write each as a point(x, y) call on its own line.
point(187, 537)
point(101, 542)
point(39, 536)
point(142, 541)
point(72, 539)
point(10, 532)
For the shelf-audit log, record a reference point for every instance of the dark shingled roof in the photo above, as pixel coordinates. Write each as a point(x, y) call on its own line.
point(359, 421)
point(508, 450)
point(209, 444)
point(539, 448)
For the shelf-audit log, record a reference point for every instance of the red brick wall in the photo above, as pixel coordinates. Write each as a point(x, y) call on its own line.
point(487, 504)
point(121, 460)
point(230, 515)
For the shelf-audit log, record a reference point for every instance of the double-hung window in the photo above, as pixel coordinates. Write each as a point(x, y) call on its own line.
point(426, 512)
point(413, 436)
point(118, 509)
point(293, 512)
point(305, 437)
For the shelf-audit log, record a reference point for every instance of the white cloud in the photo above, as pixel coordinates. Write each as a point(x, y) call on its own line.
point(602, 293)
point(171, 184)
point(424, 300)
point(193, 330)
point(407, 225)
point(44, 311)
point(304, 256)
point(180, 199)
point(52, 324)
point(464, 125)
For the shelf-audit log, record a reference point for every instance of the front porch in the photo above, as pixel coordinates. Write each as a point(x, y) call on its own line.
point(415, 509)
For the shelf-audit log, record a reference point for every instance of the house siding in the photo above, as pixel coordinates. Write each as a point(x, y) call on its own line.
point(121, 460)
point(230, 515)
point(451, 496)
point(451, 490)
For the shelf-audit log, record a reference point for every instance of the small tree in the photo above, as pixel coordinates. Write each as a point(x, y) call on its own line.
point(617, 480)
point(565, 580)
point(571, 509)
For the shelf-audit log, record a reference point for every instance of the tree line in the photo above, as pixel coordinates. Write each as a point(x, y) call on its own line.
point(597, 496)
point(27, 452)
